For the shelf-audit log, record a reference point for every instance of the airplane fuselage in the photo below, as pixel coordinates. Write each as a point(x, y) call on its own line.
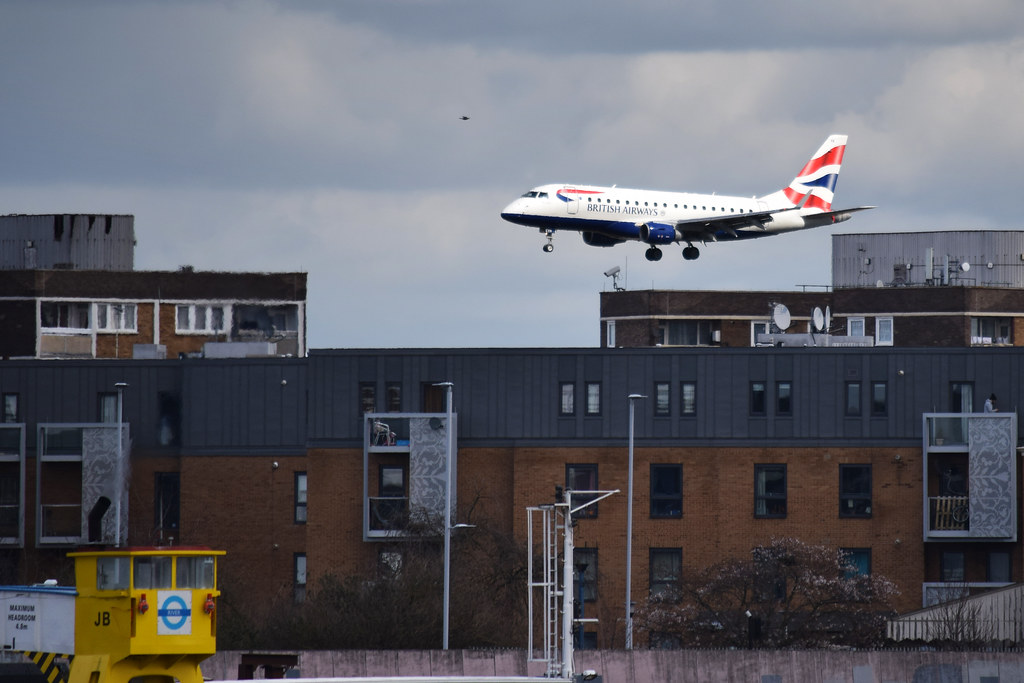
point(606, 216)
point(621, 213)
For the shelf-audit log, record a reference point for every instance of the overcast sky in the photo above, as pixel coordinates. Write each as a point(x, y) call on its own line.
point(325, 137)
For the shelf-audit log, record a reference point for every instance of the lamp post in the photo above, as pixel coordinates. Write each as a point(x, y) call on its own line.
point(447, 516)
point(629, 526)
point(119, 468)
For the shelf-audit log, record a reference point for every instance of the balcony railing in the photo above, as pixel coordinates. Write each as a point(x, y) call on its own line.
point(388, 514)
point(950, 513)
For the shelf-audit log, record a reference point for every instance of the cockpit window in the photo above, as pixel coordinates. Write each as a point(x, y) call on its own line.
point(530, 194)
point(542, 195)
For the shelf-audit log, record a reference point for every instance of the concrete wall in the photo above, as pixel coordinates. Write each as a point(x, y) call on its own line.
point(665, 666)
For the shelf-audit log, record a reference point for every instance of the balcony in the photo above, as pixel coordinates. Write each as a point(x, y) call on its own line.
point(970, 470)
point(404, 468)
point(388, 514)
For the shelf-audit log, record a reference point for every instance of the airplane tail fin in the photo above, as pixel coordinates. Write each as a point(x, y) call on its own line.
point(815, 185)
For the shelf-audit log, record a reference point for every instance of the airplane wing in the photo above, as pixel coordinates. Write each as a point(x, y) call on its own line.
point(706, 228)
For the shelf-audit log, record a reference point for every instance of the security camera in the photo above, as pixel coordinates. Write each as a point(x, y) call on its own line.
point(614, 270)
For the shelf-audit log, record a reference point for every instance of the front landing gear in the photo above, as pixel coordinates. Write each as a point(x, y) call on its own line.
point(653, 254)
point(691, 253)
point(549, 247)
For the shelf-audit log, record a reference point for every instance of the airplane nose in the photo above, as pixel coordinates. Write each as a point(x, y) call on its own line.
point(513, 209)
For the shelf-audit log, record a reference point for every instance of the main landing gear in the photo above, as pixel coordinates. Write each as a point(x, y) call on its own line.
point(690, 253)
point(549, 247)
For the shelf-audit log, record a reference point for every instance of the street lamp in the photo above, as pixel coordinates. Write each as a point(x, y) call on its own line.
point(119, 468)
point(447, 516)
point(629, 526)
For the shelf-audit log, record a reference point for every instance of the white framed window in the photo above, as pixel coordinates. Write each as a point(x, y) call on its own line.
point(116, 317)
point(883, 331)
point(855, 327)
point(610, 334)
point(757, 327)
point(200, 318)
point(64, 315)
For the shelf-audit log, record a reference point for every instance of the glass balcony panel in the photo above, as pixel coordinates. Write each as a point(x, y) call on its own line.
point(948, 431)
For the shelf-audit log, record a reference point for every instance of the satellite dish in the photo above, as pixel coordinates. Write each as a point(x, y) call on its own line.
point(828, 318)
point(780, 316)
point(819, 319)
point(965, 266)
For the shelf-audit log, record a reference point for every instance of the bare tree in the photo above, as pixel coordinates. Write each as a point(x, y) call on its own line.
point(397, 602)
point(785, 594)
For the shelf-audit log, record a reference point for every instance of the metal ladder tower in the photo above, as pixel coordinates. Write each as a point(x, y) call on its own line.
point(555, 524)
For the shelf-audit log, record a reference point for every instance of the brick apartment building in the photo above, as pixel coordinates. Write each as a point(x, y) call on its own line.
point(68, 290)
point(306, 465)
point(279, 461)
point(921, 289)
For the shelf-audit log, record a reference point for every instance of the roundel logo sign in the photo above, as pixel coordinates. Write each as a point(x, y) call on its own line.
point(174, 613)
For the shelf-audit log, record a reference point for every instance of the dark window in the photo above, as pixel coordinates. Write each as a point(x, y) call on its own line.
point(390, 507)
point(11, 413)
point(10, 494)
point(855, 490)
point(952, 566)
point(435, 397)
point(757, 398)
point(586, 559)
point(367, 397)
point(999, 567)
point(769, 490)
point(167, 505)
point(582, 478)
point(783, 398)
point(858, 561)
point(392, 481)
point(666, 565)
point(688, 398)
point(567, 398)
point(853, 399)
point(300, 577)
point(662, 399)
point(879, 398)
point(688, 332)
point(170, 419)
point(107, 407)
point(593, 398)
point(961, 397)
point(394, 397)
point(666, 490)
point(300, 497)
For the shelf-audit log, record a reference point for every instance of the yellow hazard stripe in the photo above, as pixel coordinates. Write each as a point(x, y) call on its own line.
point(47, 663)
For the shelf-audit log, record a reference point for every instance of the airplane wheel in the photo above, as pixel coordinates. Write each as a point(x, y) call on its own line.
point(548, 248)
point(691, 253)
point(653, 254)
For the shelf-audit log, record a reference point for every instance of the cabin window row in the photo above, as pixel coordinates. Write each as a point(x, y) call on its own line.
point(664, 205)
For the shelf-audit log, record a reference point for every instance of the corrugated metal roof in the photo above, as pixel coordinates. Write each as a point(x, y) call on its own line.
point(902, 258)
point(67, 241)
point(993, 616)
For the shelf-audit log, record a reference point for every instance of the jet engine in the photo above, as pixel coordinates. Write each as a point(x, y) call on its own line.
point(658, 233)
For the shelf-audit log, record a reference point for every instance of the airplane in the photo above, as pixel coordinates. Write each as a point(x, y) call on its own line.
point(606, 216)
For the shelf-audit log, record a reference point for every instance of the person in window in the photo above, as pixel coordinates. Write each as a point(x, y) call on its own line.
point(990, 404)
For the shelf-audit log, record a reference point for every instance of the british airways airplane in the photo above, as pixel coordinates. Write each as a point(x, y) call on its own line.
point(606, 216)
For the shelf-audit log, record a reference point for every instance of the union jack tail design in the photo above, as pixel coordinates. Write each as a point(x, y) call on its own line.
point(815, 185)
